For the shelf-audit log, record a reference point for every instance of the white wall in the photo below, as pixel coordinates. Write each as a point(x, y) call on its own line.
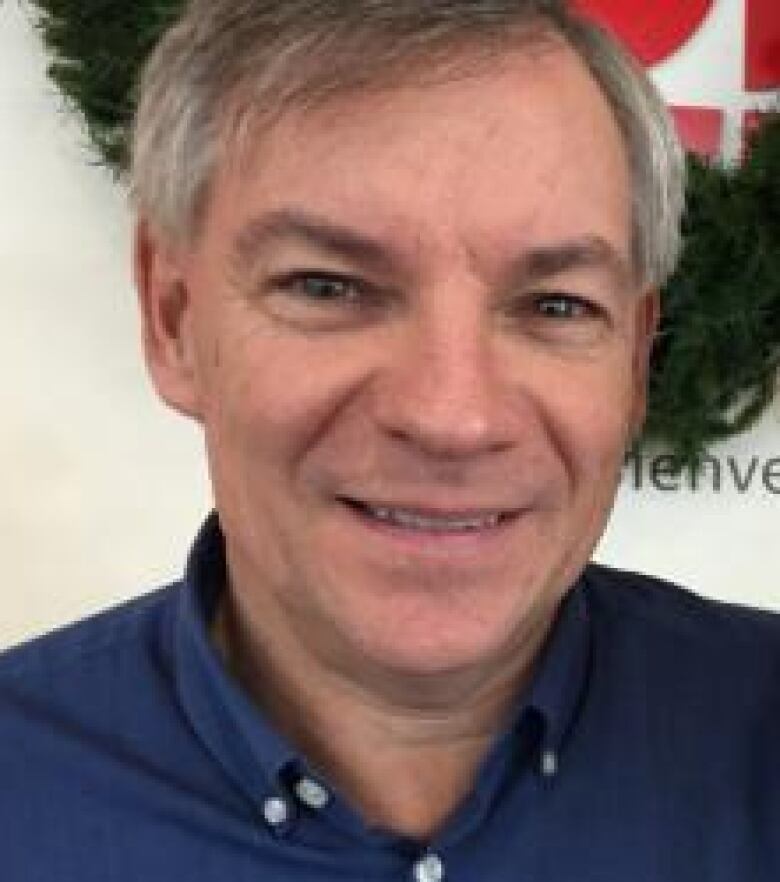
point(102, 489)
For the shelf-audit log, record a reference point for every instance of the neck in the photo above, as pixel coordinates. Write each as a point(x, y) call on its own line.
point(428, 735)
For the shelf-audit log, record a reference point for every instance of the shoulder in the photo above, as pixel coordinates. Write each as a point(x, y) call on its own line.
point(685, 654)
point(97, 694)
point(98, 647)
point(94, 739)
point(638, 601)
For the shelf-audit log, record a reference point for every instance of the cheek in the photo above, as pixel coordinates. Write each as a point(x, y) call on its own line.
point(590, 418)
point(275, 398)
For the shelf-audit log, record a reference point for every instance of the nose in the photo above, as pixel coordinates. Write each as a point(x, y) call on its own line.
point(443, 390)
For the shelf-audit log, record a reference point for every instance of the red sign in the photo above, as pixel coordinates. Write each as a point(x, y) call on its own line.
point(762, 49)
point(652, 29)
point(700, 129)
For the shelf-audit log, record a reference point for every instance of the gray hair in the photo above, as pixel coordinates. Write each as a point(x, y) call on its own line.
point(226, 64)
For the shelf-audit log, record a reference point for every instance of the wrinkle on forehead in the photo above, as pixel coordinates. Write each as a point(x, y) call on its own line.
point(413, 165)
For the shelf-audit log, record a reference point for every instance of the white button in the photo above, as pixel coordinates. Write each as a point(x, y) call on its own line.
point(275, 811)
point(549, 765)
point(311, 793)
point(429, 869)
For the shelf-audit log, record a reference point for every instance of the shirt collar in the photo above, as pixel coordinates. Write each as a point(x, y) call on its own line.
point(238, 736)
point(254, 755)
point(558, 686)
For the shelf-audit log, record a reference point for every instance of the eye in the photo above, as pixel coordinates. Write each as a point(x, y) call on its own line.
point(564, 306)
point(322, 300)
point(559, 319)
point(321, 286)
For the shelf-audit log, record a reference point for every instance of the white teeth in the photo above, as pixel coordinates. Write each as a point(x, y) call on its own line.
point(415, 521)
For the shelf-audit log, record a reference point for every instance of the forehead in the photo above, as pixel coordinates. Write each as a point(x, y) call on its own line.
point(524, 145)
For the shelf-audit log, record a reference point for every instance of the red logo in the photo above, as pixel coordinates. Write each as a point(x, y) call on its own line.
point(655, 30)
point(652, 30)
point(762, 50)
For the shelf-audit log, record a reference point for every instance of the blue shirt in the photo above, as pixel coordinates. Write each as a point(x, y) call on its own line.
point(647, 749)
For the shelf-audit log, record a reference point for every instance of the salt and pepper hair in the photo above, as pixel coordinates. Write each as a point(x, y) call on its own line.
point(232, 66)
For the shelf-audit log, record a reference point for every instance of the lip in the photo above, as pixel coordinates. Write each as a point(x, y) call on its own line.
point(472, 526)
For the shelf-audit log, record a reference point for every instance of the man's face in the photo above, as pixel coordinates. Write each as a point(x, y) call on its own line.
point(410, 331)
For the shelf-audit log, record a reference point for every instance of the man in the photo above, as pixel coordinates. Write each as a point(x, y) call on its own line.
point(400, 260)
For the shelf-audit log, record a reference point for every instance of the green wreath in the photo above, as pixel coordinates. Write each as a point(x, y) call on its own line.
point(714, 367)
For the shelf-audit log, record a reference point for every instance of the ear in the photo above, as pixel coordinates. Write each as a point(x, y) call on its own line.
point(166, 320)
point(646, 318)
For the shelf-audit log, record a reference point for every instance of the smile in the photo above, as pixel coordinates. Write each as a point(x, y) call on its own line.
point(422, 520)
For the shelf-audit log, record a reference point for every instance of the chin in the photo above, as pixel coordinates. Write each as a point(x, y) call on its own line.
point(431, 646)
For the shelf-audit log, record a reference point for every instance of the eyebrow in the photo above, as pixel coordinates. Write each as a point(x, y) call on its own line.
point(590, 252)
point(297, 226)
point(535, 264)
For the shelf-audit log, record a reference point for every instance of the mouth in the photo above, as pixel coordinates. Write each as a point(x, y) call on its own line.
point(429, 521)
